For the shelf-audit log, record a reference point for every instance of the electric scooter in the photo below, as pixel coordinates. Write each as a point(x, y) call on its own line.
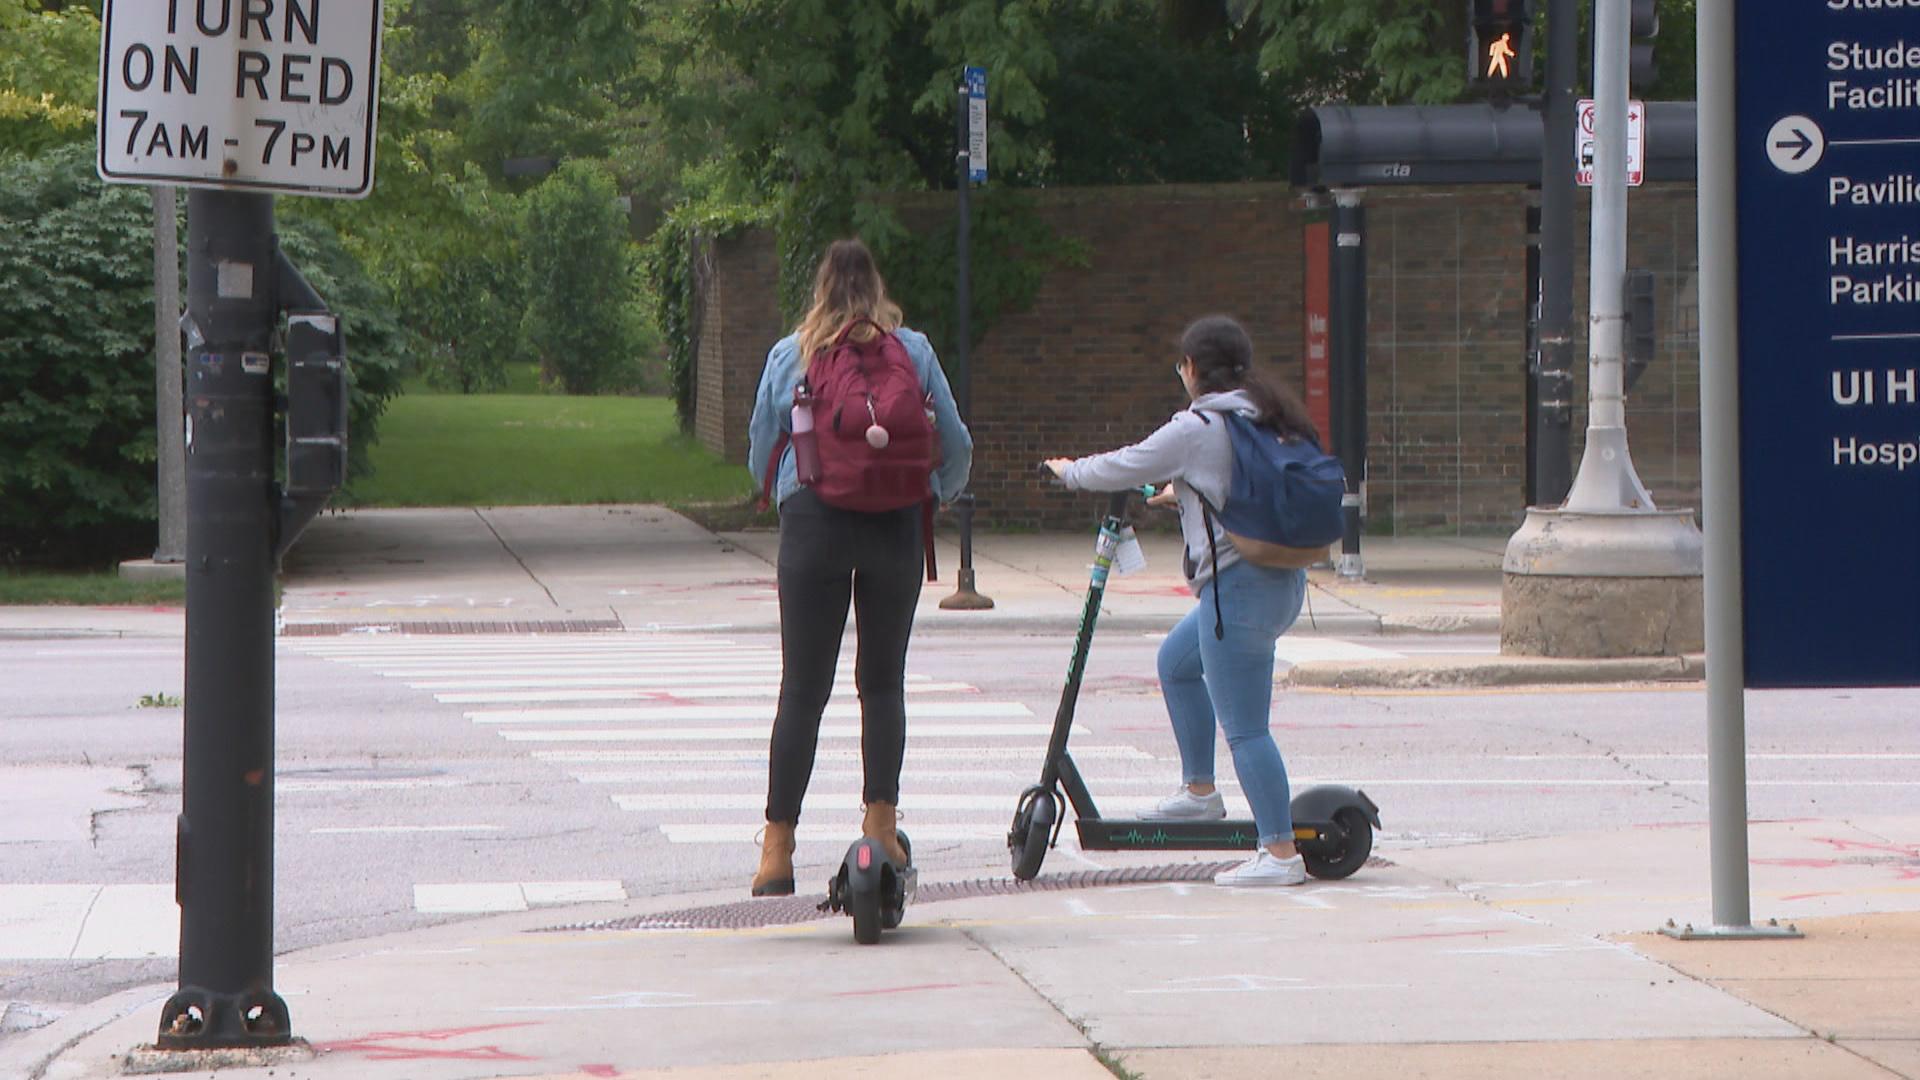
point(873, 888)
point(1332, 825)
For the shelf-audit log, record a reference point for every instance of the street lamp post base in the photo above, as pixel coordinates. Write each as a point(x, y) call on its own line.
point(1773, 931)
point(965, 597)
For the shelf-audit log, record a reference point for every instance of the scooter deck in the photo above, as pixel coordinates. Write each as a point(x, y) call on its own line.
point(1110, 834)
point(1121, 834)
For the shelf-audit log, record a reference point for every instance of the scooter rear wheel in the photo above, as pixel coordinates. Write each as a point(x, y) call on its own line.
point(1342, 859)
point(1031, 832)
point(864, 906)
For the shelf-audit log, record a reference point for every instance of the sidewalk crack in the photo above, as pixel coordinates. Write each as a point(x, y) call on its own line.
point(508, 548)
point(1100, 1053)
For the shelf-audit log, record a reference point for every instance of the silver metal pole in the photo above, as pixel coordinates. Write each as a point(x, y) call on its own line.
point(1606, 480)
point(1606, 289)
point(1720, 482)
point(1720, 468)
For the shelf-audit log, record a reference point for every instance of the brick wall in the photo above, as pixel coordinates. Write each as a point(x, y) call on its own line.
point(737, 278)
point(1090, 365)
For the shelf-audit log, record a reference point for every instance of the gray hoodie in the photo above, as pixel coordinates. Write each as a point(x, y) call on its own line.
point(1197, 455)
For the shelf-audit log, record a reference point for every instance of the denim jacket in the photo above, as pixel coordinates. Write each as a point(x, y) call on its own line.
point(773, 417)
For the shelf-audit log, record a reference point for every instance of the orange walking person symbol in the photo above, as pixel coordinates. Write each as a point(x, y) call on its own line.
point(1499, 57)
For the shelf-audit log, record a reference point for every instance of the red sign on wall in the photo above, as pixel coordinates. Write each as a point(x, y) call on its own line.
point(1315, 310)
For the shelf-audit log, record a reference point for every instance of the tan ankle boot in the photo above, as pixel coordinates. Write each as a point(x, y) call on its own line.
point(775, 877)
point(882, 824)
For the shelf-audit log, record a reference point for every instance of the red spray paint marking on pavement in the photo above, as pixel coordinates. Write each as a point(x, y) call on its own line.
point(1839, 844)
point(377, 1047)
point(903, 989)
point(1809, 895)
point(599, 1070)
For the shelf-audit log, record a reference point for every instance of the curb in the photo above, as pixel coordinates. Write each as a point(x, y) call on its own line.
point(1476, 671)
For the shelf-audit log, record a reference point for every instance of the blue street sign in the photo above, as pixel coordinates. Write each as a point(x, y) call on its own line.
point(1828, 102)
point(976, 124)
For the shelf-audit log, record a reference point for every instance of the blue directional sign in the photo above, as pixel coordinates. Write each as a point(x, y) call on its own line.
point(976, 78)
point(1828, 103)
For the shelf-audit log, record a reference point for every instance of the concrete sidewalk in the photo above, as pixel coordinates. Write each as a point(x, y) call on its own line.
point(1527, 958)
point(646, 568)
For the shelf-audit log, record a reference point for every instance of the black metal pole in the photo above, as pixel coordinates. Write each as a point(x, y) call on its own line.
point(1531, 352)
point(965, 596)
point(224, 856)
point(1348, 344)
point(1552, 450)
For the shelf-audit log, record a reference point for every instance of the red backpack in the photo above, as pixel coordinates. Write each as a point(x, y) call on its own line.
point(873, 428)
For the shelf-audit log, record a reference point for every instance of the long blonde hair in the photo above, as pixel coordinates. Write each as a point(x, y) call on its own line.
point(846, 287)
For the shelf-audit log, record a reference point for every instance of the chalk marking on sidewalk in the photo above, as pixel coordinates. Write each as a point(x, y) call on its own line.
point(948, 710)
point(585, 669)
point(485, 897)
point(88, 922)
point(758, 733)
point(1702, 757)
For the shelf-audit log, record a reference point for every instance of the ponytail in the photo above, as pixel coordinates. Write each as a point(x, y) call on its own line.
point(1222, 356)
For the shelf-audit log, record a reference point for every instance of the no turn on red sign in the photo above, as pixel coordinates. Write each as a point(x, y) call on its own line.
point(1583, 141)
point(249, 95)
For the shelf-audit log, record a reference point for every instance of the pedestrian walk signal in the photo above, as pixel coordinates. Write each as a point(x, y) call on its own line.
point(1500, 44)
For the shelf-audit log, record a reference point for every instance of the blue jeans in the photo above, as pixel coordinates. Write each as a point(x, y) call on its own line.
point(1229, 681)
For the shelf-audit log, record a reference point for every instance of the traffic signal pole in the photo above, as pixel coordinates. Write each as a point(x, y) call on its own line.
point(1552, 446)
point(224, 847)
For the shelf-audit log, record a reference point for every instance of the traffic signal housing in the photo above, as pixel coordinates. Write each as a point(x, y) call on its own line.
point(1643, 22)
point(1500, 44)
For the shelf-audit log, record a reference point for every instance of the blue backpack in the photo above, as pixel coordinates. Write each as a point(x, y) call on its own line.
point(1284, 505)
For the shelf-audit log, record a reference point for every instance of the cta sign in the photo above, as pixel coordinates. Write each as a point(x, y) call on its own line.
point(249, 95)
point(1828, 145)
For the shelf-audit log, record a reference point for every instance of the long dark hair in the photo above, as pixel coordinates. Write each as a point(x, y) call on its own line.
point(1222, 356)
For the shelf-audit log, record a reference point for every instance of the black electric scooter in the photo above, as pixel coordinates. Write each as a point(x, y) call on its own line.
point(873, 888)
point(1332, 826)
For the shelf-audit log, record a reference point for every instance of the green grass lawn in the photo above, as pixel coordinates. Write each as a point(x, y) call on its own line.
point(32, 587)
point(539, 449)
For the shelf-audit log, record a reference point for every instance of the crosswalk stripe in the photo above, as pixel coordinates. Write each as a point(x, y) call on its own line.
point(734, 690)
point(1024, 754)
point(568, 643)
point(971, 710)
point(825, 835)
point(610, 681)
point(759, 775)
point(759, 734)
point(586, 669)
point(730, 800)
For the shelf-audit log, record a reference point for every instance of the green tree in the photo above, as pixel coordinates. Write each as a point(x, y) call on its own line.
point(49, 59)
point(582, 317)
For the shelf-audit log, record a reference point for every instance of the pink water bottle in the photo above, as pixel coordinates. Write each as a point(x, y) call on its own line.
point(806, 446)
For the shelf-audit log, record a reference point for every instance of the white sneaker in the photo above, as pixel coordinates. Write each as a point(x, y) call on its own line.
point(1184, 805)
point(1264, 869)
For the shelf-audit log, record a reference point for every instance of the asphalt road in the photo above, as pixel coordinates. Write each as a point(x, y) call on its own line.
point(428, 779)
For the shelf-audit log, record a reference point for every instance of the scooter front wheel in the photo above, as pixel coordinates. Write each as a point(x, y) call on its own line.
point(1350, 854)
point(1031, 832)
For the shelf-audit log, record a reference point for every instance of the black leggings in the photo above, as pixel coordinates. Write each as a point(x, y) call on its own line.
point(827, 556)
